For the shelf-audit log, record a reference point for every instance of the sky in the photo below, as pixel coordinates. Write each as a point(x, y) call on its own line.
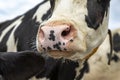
point(12, 8)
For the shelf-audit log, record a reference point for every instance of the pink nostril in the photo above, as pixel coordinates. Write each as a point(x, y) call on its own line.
point(41, 35)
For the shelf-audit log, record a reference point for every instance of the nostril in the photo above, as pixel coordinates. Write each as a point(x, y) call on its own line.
point(66, 32)
point(41, 35)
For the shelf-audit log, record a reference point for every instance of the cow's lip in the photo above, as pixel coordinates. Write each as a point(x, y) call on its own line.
point(59, 54)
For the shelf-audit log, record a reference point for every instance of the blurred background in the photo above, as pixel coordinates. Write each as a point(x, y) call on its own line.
point(12, 8)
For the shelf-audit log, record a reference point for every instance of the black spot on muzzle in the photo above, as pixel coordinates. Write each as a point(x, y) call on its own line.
point(52, 36)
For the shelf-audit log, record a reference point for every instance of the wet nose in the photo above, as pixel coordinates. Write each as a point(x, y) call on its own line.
point(55, 37)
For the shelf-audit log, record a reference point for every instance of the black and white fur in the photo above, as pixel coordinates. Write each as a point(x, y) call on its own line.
point(19, 34)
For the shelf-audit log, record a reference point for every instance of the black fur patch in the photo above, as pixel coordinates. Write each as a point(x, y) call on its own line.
point(59, 69)
point(116, 42)
point(84, 70)
point(114, 57)
point(7, 23)
point(50, 11)
point(47, 15)
point(20, 65)
point(50, 70)
point(67, 70)
point(96, 12)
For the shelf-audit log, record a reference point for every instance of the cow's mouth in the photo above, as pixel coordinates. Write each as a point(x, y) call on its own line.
point(59, 54)
point(71, 54)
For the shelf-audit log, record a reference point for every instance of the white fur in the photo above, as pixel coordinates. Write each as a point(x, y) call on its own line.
point(11, 45)
point(99, 69)
point(4, 32)
point(41, 11)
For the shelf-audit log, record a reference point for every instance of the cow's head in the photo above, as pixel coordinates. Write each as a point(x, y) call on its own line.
point(75, 28)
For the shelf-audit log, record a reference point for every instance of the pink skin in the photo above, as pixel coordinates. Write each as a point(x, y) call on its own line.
point(55, 37)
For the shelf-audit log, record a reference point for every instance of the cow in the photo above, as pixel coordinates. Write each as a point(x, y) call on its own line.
point(98, 62)
point(20, 65)
point(65, 32)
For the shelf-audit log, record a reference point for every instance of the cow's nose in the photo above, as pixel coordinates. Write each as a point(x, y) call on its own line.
point(55, 37)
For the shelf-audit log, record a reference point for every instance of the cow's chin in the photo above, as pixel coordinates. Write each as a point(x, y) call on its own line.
point(60, 54)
